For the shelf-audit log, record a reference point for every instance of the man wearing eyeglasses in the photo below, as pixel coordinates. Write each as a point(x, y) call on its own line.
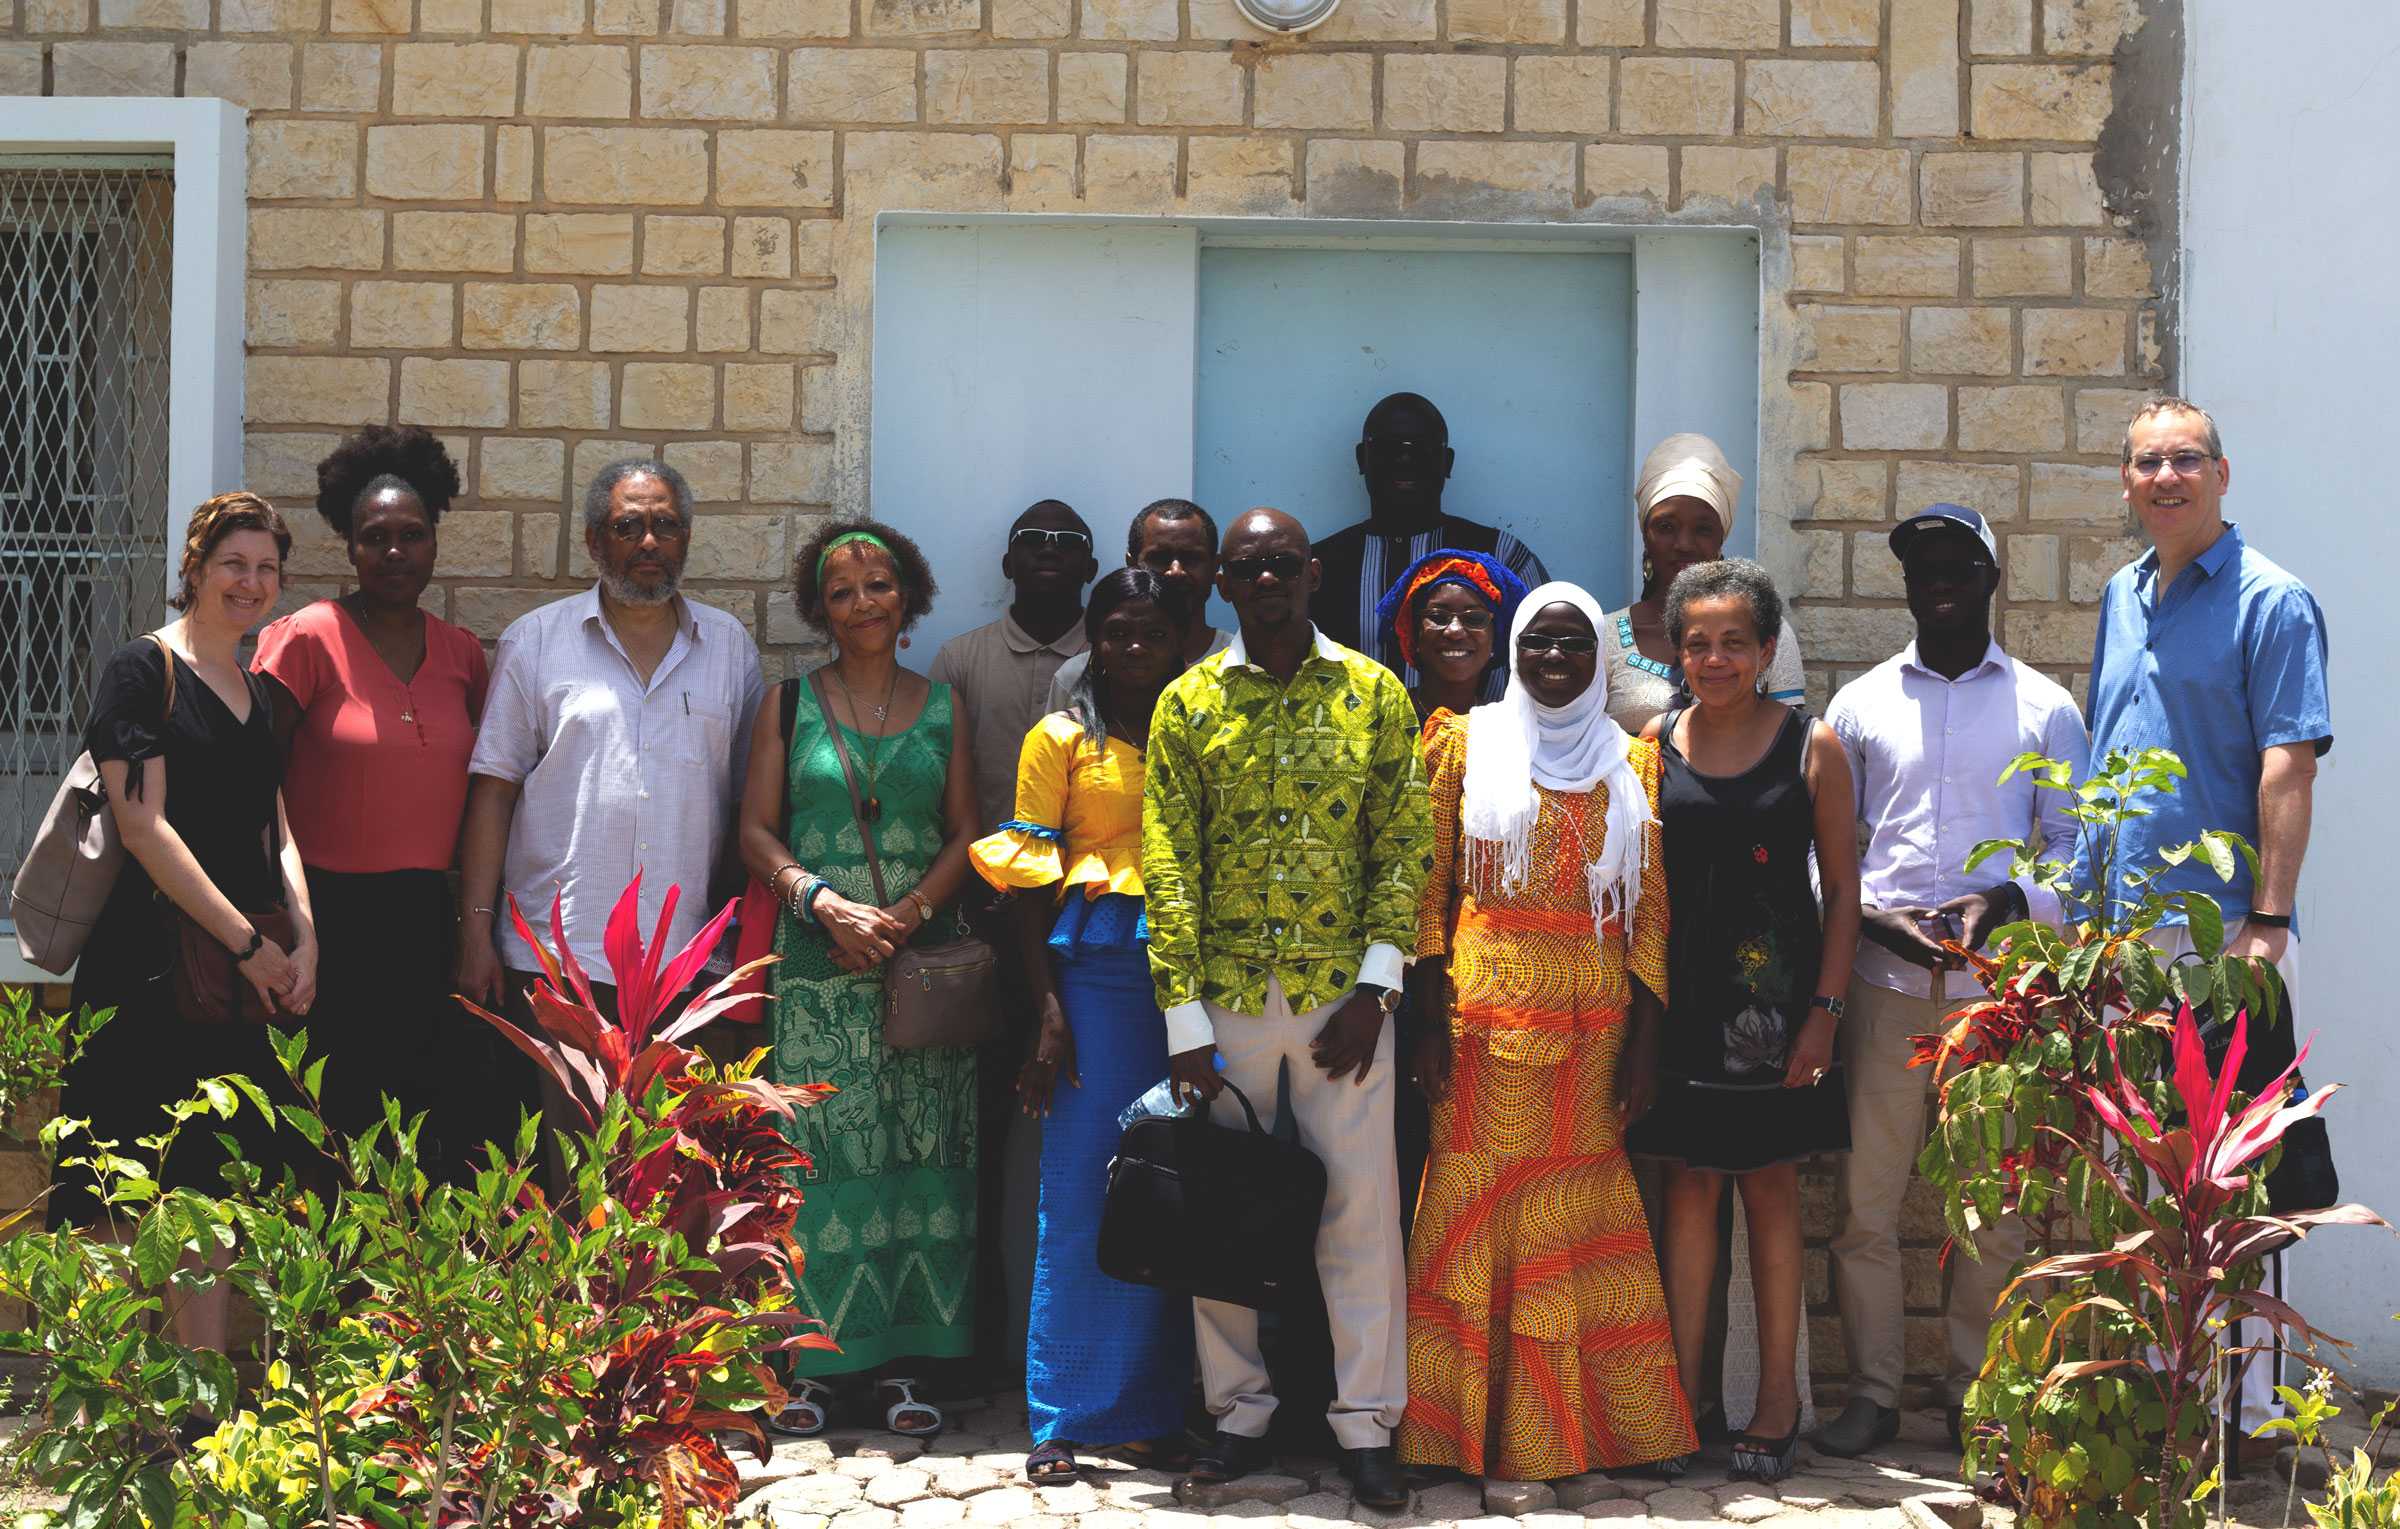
point(613, 743)
point(1404, 455)
point(1000, 673)
point(1286, 834)
point(2209, 648)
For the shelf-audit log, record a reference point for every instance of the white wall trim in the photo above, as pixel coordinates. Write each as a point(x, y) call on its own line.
point(207, 297)
point(208, 300)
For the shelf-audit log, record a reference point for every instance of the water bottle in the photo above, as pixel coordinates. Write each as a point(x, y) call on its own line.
point(1159, 1103)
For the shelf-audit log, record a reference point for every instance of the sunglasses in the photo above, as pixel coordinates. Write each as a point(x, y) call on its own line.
point(1284, 565)
point(1037, 539)
point(1574, 647)
point(630, 529)
point(1473, 621)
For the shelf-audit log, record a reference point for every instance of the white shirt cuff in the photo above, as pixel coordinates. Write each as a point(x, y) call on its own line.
point(1383, 965)
point(1188, 1028)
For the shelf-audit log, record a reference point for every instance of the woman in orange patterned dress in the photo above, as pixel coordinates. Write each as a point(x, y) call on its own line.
point(1538, 1344)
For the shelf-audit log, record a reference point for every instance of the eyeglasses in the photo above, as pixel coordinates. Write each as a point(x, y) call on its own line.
point(1573, 647)
point(1284, 565)
point(2185, 463)
point(1038, 539)
point(1473, 621)
point(630, 529)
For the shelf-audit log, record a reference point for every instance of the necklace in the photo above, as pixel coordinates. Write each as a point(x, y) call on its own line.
point(870, 806)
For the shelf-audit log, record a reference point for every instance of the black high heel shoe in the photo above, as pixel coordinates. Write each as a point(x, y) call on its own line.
point(1757, 1458)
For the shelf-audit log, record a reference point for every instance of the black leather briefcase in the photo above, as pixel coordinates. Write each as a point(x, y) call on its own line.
point(1223, 1213)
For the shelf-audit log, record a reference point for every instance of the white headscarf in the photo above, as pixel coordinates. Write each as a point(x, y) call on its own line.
point(1516, 743)
point(1688, 465)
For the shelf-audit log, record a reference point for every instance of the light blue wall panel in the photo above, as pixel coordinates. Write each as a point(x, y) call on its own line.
point(1529, 356)
point(1024, 362)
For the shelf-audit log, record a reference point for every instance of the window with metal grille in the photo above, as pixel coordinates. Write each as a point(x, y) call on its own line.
point(85, 266)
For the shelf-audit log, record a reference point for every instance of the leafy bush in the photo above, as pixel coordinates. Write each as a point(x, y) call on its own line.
point(2059, 1104)
point(440, 1355)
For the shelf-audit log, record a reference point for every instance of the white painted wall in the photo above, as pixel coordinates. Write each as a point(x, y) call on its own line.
point(2291, 214)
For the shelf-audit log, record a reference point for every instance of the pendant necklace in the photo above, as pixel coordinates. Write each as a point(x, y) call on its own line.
point(870, 806)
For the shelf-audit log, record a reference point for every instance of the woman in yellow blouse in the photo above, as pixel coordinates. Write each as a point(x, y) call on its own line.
point(1538, 1343)
point(1107, 1365)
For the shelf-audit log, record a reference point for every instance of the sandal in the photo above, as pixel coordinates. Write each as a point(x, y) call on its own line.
point(906, 1405)
point(805, 1411)
point(1759, 1458)
point(1052, 1461)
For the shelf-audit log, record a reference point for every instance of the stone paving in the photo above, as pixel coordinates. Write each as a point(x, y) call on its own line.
point(973, 1475)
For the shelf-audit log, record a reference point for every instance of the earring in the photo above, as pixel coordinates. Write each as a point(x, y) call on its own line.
point(904, 642)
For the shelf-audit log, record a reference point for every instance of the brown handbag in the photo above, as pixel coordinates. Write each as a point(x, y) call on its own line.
point(71, 866)
point(934, 995)
point(209, 985)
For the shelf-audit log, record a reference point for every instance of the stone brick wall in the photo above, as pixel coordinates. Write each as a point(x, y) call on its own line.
point(559, 231)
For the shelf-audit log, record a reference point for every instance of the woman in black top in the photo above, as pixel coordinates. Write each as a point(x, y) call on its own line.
point(195, 789)
point(1748, 789)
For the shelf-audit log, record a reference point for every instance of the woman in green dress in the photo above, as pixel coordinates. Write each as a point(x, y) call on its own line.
point(888, 1219)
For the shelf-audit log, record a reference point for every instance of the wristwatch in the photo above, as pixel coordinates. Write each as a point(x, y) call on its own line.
point(1832, 1006)
point(1386, 998)
point(2268, 920)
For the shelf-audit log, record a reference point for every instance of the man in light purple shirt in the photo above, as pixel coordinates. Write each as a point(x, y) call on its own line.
point(1929, 732)
point(614, 741)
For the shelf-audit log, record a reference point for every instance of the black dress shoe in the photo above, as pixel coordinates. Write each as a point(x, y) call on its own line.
point(1375, 1477)
point(1228, 1457)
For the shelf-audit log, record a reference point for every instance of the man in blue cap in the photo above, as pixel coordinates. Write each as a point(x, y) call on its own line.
point(1929, 732)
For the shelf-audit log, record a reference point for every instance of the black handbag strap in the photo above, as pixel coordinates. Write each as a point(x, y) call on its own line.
point(858, 814)
point(1247, 1107)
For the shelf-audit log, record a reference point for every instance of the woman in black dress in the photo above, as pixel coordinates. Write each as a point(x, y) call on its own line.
point(195, 788)
point(1755, 969)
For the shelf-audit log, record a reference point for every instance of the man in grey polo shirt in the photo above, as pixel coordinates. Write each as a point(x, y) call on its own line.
point(613, 741)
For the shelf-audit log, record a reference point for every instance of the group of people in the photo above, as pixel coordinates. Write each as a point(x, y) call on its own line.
point(1592, 883)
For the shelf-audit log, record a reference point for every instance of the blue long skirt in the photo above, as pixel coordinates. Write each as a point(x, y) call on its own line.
point(1105, 1362)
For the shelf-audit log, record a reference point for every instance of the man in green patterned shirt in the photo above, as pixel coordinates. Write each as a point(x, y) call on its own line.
point(1286, 833)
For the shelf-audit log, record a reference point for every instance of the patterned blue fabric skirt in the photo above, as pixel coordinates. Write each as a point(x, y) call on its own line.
point(1105, 1362)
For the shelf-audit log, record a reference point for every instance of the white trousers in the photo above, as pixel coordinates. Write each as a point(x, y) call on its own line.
point(2260, 1372)
point(1348, 1124)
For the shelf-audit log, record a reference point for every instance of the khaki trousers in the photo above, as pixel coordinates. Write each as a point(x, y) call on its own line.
point(1349, 1125)
point(1889, 1105)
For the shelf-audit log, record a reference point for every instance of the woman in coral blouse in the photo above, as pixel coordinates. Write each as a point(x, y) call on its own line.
point(1107, 1365)
point(383, 702)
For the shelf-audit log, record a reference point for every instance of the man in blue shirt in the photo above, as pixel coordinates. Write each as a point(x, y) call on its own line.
point(2208, 648)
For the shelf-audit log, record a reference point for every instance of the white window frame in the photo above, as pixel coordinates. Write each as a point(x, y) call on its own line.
point(207, 295)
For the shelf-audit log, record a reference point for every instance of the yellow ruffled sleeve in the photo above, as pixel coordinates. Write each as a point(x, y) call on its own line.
point(1025, 850)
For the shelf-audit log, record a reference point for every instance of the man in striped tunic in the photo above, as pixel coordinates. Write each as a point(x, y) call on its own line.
point(1404, 454)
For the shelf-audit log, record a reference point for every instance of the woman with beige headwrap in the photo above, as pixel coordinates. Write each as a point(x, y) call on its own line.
point(1685, 500)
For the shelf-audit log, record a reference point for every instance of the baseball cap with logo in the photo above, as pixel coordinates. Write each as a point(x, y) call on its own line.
point(1937, 517)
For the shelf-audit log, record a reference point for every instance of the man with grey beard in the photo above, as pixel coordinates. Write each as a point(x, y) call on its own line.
point(612, 742)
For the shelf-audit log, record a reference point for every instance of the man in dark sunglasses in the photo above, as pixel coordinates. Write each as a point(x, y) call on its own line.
point(1286, 835)
point(1000, 675)
point(1404, 457)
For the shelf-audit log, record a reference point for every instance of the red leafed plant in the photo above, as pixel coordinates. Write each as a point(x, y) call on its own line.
point(2178, 1276)
point(692, 1149)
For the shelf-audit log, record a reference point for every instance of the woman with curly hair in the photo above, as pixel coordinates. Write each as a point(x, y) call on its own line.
point(889, 1220)
point(383, 701)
